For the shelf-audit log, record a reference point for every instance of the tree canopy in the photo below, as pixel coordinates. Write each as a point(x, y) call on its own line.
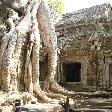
point(56, 8)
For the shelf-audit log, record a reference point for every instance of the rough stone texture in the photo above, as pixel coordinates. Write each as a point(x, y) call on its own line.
point(7, 109)
point(41, 107)
point(85, 36)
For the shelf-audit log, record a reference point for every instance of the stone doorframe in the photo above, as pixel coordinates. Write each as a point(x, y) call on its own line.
point(83, 74)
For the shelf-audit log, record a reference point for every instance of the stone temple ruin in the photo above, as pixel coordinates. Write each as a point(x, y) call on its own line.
point(85, 49)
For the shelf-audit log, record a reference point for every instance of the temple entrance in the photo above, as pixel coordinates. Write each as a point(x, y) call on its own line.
point(110, 74)
point(72, 72)
point(43, 69)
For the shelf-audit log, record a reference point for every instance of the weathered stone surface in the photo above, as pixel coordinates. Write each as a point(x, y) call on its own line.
point(85, 37)
point(7, 109)
point(41, 107)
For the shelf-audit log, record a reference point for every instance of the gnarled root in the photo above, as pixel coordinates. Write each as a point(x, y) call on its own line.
point(55, 87)
point(54, 95)
point(39, 93)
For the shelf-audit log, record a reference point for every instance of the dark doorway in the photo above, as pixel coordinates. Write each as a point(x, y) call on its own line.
point(43, 69)
point(110, 74)
point(72, 72)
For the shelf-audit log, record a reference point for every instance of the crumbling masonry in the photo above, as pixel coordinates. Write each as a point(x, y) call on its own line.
point(85, 47)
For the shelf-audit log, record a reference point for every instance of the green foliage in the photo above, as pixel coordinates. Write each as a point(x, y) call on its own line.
point(56, 7)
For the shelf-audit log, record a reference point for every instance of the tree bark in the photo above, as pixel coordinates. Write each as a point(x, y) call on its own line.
point(24, 34)
point(47, 30)
point(19, 48)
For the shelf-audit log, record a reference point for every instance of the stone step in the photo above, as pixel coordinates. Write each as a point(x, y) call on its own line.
point(77, 87)
point(87, 110)
point(41, 108)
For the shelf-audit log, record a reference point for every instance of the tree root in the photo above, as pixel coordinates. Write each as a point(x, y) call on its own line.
point(13, 52)
point(25, 97)
point(39, 93)
point(55, 87)
point(54, 95)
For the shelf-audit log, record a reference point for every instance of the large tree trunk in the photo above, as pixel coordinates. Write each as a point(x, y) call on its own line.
point(47, 30)
point(48, 34)
point(19, 47)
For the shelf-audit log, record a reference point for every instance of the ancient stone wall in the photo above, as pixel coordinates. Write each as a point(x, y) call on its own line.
point(85, 36)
